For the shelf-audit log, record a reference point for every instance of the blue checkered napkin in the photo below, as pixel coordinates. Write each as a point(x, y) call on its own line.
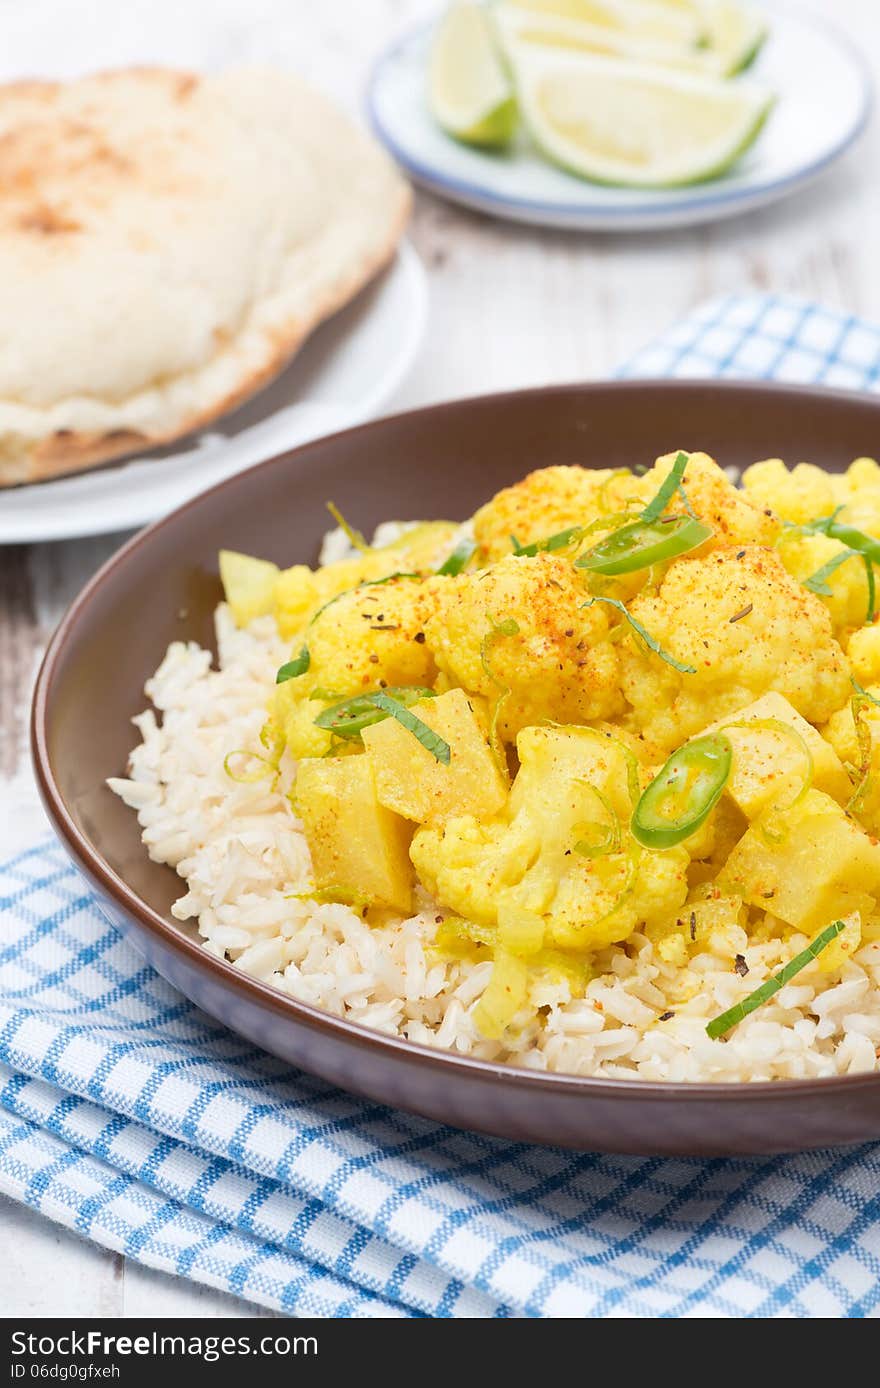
point(769, 337)
point(132, 1118)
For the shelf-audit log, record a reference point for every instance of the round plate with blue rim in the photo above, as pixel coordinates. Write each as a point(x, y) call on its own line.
point(824, 96)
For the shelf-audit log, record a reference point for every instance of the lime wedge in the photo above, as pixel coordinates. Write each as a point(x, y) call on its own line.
point(720, 37)
point(633, 124)
point(651, 21)
point(517, 23)
point(731, 31)
point(734, 34)
point(470, 90)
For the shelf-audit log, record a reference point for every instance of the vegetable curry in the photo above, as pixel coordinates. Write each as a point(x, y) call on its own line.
point(609, 702)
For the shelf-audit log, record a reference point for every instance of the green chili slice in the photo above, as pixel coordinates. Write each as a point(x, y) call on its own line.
point(349, 718)
point(719, 1025)
point(682, 796)
point(643, 543)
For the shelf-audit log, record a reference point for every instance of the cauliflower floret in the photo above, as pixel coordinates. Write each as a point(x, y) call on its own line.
point(797, 496)
point(736, 519)
point(861, 485)
point(520, 630)
point(808, 492)
point(365, 640)
point(547, 501)
point(746, 627)
point(572, 787)
point(863, 652)
point(300, 591)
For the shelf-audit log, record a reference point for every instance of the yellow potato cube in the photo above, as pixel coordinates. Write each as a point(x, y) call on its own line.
point(357, 846)
point(295, 596)
point(413, 783)
point(768, 765)
point(248, 583)
point(823, 868)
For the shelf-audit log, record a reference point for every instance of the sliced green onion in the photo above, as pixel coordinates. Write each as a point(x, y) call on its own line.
point(650, 641)
point(860, 701)
point(682, 796)
point(643, 543)
point(431, 741)
point(354, 537)
point(669, 486)
point(349, 718)
point(294, 668)
point(729, 1019)
point(264, 768)
point(611, 842)
point(337, 896)
point(509, 627)
point(872, 590)
point(561, 540)
point(459, 558)
point(633, 783)
point(367, 583)
point(781, 729)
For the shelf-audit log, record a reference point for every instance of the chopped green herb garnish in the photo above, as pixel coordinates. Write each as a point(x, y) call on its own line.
point(561, 540)
point(720, 1025)
point(650, 641)
point(459, 558)
point(367, 583)
point(431, 741)
point(848, 535)
point(354, 537)
point(669, 486)
point(294, 668)
point(818, 582)
point(349, 718)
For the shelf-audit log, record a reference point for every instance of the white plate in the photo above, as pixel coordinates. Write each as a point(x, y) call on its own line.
point(824, 99)
point(346, 372)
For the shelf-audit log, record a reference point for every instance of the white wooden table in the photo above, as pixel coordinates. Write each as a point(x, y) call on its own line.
point(509, 307)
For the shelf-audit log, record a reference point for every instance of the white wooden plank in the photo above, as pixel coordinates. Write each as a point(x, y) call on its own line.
point(48, 1271)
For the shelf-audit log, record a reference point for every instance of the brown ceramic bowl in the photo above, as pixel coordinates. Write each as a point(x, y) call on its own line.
point(442, 461)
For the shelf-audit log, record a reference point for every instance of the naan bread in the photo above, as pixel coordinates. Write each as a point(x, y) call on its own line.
point(167, 241)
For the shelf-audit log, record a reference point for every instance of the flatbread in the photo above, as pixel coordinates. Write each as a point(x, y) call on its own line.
point(167, 242)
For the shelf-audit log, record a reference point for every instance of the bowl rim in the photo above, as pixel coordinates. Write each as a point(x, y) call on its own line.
point(89, 859)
